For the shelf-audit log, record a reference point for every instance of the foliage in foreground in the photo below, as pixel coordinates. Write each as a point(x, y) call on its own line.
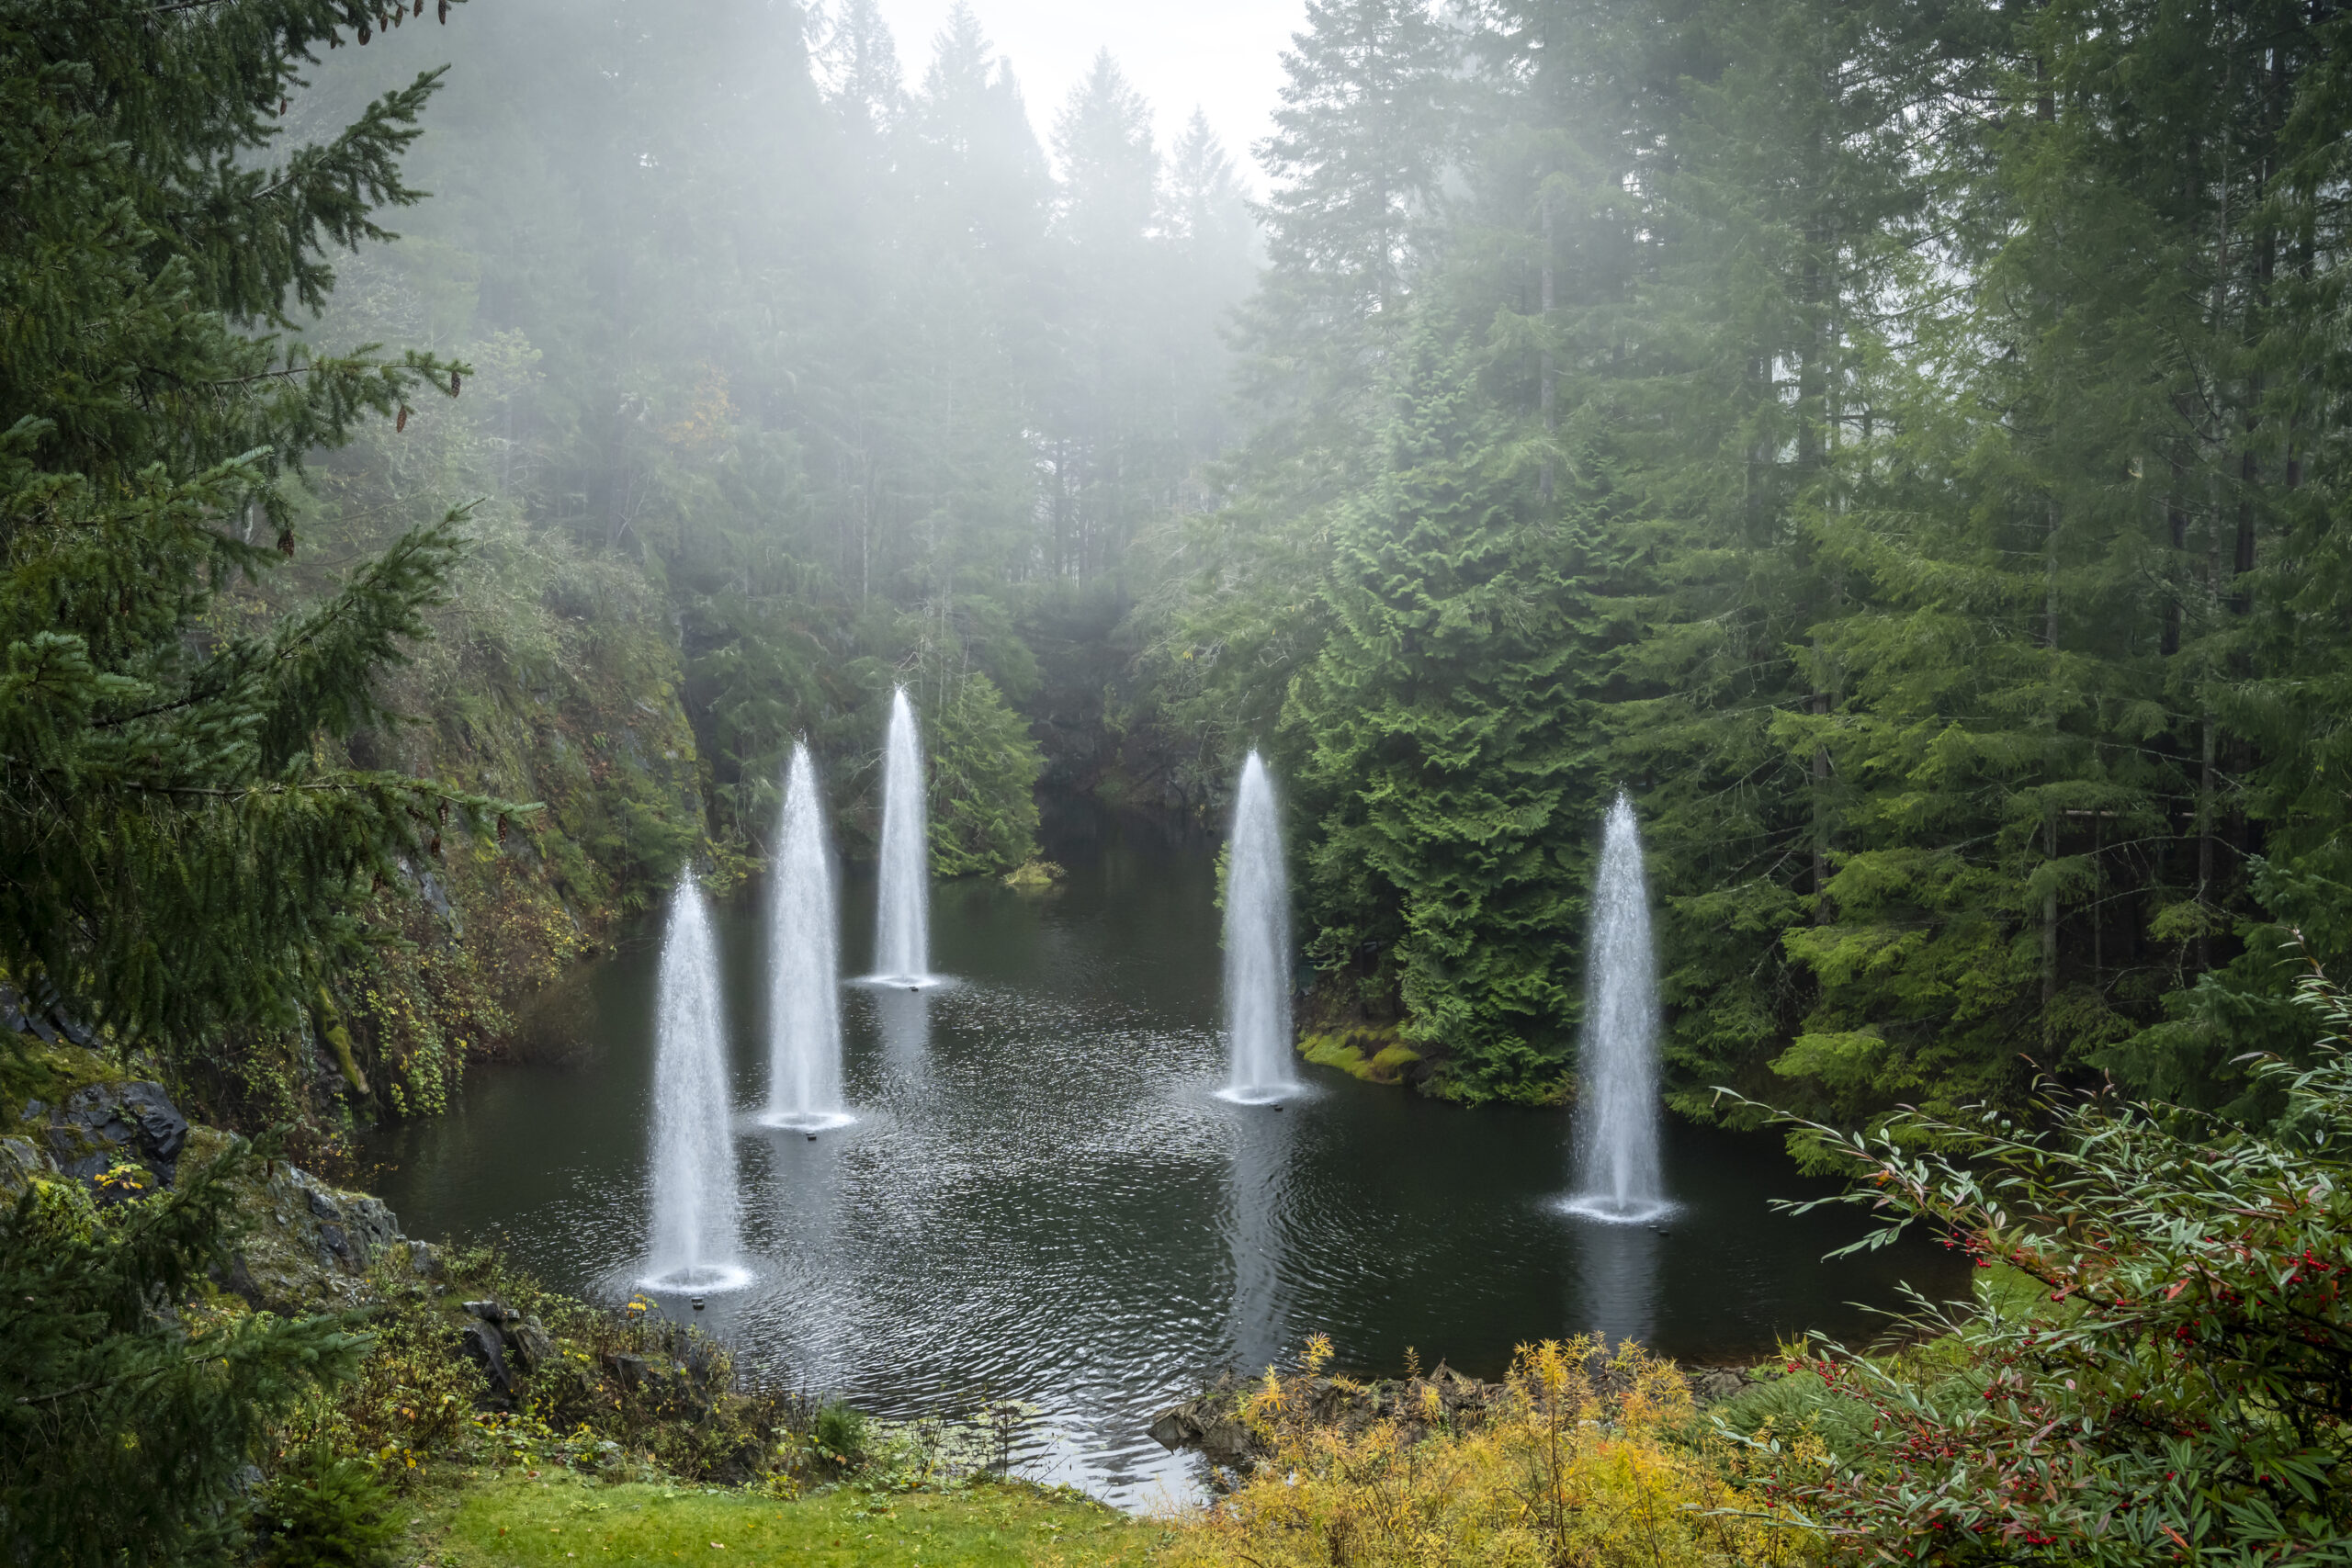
point(2178, 1387)
point(123, 1427)
point(1585, 1460)
point(176, 855)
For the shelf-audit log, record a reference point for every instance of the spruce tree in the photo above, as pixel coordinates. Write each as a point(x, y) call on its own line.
point(176, 856)
point(123, 1428)
point(1442, 738)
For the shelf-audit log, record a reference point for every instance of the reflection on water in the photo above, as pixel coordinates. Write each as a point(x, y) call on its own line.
point(1260, 1332)
point(902, 1019)
point(1043, 1200)
point(1616, 1295)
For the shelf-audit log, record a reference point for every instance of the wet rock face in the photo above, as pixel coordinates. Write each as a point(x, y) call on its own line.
point(307, 1247)
point(100, 1128)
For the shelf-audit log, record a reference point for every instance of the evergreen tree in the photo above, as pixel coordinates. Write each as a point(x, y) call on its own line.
point(1361, 145)
point(1443, 726)
point(175, 856)
point(123, 1427)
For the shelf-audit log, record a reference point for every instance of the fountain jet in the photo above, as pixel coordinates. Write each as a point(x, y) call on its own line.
point(804, 965)
point(1257, 944)
point(902, 902)
point(693, 1236)
point(1617, 1128)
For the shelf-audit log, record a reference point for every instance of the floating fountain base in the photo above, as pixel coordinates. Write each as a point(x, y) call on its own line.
point(1617, 1211)
point(810, 1121)
point(1272, 1094)
point(699, 1279)
point(906, 982)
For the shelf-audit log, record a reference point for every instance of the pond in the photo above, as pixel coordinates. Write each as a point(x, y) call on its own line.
point(1043, 1200)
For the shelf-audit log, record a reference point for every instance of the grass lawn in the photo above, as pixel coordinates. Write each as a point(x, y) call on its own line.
point(561, 1521)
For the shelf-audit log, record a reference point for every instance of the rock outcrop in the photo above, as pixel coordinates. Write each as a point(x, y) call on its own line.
point(1213, 1424)
point(309, 1246)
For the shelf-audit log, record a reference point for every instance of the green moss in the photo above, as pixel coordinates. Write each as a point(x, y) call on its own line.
point(1033, 875)
point(561, 1521)
point(1373, 1054)
point(30, 1069)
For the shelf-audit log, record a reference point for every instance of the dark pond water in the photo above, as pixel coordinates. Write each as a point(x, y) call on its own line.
point(1043, 1200)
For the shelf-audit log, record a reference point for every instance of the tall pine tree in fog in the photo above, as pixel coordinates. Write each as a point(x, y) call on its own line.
point(175, 858)
point(1443, 736)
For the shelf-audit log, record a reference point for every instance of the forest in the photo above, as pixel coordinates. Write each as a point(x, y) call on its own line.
point(451, 455)
point(1892, 443)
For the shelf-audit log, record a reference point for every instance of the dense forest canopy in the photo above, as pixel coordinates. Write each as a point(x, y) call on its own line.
point(1895, 442)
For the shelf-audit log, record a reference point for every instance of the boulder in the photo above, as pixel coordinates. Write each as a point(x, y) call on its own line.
point(104, 1125)
point(483, 1345)
point(306, 1245)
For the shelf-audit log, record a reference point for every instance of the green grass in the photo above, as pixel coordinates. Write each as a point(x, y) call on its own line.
point(563, 1522)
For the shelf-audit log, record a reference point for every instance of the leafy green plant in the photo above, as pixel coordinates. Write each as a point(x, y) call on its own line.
point(2180, 1387)
point(838, 1436)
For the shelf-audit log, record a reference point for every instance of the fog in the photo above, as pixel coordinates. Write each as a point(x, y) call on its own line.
point(1220, 56)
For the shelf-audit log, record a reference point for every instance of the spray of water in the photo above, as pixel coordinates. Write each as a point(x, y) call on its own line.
point(1256, 943)
point(692, 1227)
point(803, 964)
point(1617, 1130)
point(903, 905)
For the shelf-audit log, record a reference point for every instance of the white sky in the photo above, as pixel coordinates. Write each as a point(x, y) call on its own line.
point(1223, 55)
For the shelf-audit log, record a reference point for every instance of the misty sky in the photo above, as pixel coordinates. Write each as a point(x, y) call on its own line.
point(1223, 55)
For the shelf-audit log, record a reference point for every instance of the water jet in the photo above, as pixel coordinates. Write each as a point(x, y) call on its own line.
point(1617, 1128)
point(803, 964)
point(1257, 944)
point(902, 896)
point(692, 1230)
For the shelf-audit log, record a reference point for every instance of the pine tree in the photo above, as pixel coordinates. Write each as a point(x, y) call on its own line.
point(174, 856)
point(123, 1428)
point(1443, 726)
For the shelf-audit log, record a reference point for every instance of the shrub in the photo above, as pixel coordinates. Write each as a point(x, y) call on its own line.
point(839, 1436)
point(2176, 1384)
point(1566, 1467)
point(324, 1511)
point(123, 1428)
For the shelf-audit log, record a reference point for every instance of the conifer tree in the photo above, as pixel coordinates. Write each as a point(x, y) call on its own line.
point(174, 856)
point(1360, 148)
point(1441, 724)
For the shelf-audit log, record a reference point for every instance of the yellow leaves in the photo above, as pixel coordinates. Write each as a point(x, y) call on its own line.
point(1584, 1459)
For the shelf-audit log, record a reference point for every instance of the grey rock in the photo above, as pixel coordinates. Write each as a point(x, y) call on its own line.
point(483, 1345)
point(532, 1344)
point(20, 1162)
point(103, 1125)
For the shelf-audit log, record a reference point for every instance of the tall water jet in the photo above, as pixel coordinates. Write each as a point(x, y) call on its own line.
point(902, 900)
point(1618, 1124)
point(1257, 944)
point(692, 1239)
point(803, 964)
